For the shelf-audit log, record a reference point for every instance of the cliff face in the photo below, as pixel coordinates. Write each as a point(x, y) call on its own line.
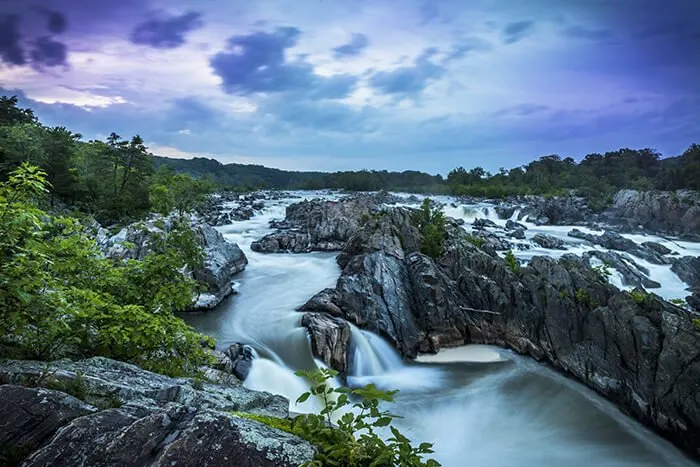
point(639, 351)
point(673, 213)
point(119, 414)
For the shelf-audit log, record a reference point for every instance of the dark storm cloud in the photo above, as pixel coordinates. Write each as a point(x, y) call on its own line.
point(57, 22)
point(409, 81)
point(257, 63)
point(11, 50)
point(357, 44)
point(517, 30)
point(48, 53)
point(166, 32)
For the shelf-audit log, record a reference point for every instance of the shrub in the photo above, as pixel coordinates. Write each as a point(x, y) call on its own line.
point(639, 296)
point(476, 241)
point(602, 272)
point(583, 297)
point(430, 221)
point(60, 298)
point(511, 261)
point(352, 440)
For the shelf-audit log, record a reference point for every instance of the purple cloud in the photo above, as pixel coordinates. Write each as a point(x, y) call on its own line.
point(410, 80)
point(357, 44)
point(517, 30)
point(166, 32)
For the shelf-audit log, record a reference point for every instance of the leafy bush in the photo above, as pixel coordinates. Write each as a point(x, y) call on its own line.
point(639, 296)
point(60, 298)
point(476, 241)
point(430, 220)
point(511, 261)
point(679, 302)
point(583, 297)
point(350, 439)
point(602, 272)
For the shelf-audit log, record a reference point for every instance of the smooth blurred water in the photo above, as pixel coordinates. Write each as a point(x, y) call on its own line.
point(479, 405)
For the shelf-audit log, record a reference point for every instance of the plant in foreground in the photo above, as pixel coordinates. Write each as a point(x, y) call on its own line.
point(345, 431)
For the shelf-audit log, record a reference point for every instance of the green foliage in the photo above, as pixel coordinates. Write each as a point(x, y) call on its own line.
point(177, 192)
point(639, 296)
point(511, 261)
point(602, 272)
point(350, 438)
point(475, 240)
point(583, 297)
point(679, 302)
point(59, 297)
point(696, 322)
point(430, 220)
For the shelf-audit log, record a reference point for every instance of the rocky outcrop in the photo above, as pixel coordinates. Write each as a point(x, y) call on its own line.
point(649, 251)
point(633, 275)
point(237, 360)
point(129, 416)
point(688, 269)
point(222, 259)
point(321, 225)
point(556, 210)
point(329, 338)
point(548, 242)
point(668, 212)
point(642, 354)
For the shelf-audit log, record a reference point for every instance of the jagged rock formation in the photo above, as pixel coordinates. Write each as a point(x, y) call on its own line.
point(674, 213)
point(319, 225)
point(237, 360)
point(649, 251)
point(548, 242)
point(643, 356)
point(129, 416)
point(222, 259)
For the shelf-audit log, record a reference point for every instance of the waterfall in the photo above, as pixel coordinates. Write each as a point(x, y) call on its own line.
point(371, 355)
point(516, 215)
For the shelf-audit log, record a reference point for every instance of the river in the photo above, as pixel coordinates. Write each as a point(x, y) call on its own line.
point(479, 405)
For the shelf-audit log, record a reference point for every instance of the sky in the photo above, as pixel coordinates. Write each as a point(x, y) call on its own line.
point(352, 84)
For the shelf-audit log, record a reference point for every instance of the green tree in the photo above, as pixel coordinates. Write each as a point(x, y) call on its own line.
point(430, 221)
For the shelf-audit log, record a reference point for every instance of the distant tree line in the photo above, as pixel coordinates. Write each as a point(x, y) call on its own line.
point(119, 179)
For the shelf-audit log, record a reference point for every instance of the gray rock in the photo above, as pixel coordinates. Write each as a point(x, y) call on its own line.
point(512, 225)
point(517, 233)
point(484, 224)
point(31, 416)
point(643, 356)
point(674, 213)
point(688, 269)
point(615, 241)
point(657, 248)
point(329, 339)
point(549, 242)
point(237, 360)
point(155, 421)
point(632, 274)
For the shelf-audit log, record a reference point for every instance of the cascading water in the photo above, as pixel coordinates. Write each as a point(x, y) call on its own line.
point(479, 406)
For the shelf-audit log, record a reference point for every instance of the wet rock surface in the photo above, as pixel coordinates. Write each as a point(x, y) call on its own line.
point(330, 336)
point(643, 356)
point(134, 417)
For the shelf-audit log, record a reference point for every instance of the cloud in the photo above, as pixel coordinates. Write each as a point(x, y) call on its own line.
point(588, 33)
point(57, 22)
point(256, 63)
point(408, 80)
point(357, 44)
point(11, 50)
point(166, 32)
point(517, 30)
point(48, 52)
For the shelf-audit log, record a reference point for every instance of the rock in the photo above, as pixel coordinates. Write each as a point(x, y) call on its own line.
point(517, 233)
point(320, 225)
point(666, 212)
point(506, 211)
point(258, 205)
point(549, 242)
point(557, 210)
point(657, 248)
point(483, 224)
point(688, 269)
point(148, 419)
point(236, 360)
point(222, 261)
point(615, 241)
point(512, 225)
point(632, 274)
point(644, 356)
point(31, 416)
point(329, 339)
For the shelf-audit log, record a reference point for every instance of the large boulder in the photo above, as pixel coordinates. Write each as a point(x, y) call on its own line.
point(668, 212)
point(557, 210)
point(156, 422)
point(321, 225)
point(222, 259)
point(237, 360)
point(329, 338)
point(643, 355)
point(548, 242)
point(650, 251)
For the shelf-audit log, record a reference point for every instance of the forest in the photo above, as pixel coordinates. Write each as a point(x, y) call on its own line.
point(119, 179)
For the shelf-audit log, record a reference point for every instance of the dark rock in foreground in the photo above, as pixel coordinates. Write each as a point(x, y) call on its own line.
point(548, 242)
point(643, 356)
point(134, 417)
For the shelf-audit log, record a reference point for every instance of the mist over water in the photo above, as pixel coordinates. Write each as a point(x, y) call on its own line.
point(479, 405)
